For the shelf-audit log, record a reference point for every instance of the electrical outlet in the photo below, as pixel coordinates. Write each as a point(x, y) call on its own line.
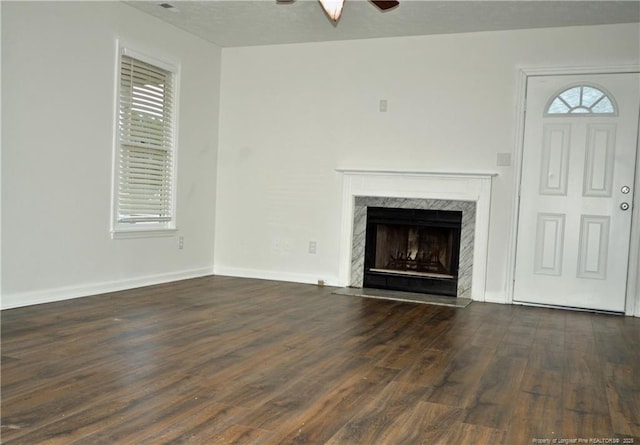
point(313, 247)
point(383, 105)
point(181, 242)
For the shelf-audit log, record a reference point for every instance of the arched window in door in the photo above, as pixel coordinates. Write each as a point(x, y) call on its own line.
point(585, 100)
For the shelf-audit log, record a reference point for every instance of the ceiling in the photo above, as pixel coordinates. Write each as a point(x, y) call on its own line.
point(233, 23)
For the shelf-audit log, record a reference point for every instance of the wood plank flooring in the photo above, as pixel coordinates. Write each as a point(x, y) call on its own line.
point(220, 360)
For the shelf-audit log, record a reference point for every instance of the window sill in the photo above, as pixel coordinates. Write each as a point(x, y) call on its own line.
point(142, 233)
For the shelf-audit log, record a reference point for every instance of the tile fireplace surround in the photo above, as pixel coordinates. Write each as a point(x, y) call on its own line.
point(468, 192)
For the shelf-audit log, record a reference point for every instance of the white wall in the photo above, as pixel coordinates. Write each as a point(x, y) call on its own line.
point(58, 80)
point(291, 114)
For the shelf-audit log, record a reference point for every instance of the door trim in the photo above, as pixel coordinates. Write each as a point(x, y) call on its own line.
point(632, 297)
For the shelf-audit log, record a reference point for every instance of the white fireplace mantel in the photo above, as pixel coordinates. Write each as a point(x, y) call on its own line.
point(419, 185)
point(367, 172)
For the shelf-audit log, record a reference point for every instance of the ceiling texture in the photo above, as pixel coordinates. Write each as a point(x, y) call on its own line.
point(233, 23)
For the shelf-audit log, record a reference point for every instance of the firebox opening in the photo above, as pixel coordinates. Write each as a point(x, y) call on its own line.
point(412, 250)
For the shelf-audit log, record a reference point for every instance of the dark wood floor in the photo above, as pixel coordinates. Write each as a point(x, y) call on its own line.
point(220, 360)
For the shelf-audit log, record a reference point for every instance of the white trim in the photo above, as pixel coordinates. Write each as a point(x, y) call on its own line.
point(578, 70)
point(168, 228)
point(521, 105)
point(565, 308)
point(495, 297)
point(633, 276)
point(68, 292)
point(154, 232)
point(420, 185)
point(523, 73)
point(262, 274)
point(168, 66)
point(1, 181)
point(470, 175)
point(115, 141)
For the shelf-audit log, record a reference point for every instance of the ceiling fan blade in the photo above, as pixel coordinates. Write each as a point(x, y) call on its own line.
point(385, 5)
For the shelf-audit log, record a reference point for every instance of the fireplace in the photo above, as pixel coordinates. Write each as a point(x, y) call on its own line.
point(413, 250)
point(469, 193)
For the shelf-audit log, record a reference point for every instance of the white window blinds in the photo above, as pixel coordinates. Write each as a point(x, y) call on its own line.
point(146, 143)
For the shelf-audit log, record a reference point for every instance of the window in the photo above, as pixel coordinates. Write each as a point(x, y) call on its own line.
point(145, 155)
point(581, 99)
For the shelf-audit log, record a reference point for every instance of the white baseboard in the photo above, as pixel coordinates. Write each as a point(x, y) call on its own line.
point(262, 274)
point(68, 292)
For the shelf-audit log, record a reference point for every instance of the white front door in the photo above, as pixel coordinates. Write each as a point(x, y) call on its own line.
point(577, 189)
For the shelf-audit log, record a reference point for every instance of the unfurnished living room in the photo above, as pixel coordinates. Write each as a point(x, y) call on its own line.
point(320, 222)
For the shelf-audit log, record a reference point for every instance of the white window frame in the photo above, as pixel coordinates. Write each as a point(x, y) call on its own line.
point(142, 229)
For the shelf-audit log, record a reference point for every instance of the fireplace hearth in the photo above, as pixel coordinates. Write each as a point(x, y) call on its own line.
point(413, 250)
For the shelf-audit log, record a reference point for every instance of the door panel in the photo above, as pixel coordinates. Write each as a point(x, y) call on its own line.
point(599, 159)
point(594, 247)
point(573, 236)
point(549, 244)
point(554, 172)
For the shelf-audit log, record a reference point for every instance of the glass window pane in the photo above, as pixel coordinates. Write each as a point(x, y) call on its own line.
point(604, 106)
point(580, 110)
point(572, 96)
point(590, 95)
point(557, 107)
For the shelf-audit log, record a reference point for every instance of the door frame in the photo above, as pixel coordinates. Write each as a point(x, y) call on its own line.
point(632, 297)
